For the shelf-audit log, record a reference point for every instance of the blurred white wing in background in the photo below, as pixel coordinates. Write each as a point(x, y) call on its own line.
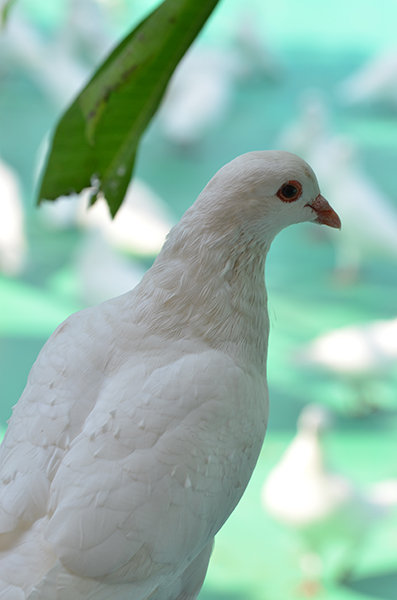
point(139, 227)
point(310, 127)
point(23, 45)
point(13, 242)
point(355, 350)
point(102, 272)
point(374, 83)
point(361, 356)
point(249, 40)
point(198, 95)
point(369, 217)
point(200, 91)
point(61, 64)
point(86, 29)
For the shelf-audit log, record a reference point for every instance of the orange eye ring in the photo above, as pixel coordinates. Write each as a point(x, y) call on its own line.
point(290, 191)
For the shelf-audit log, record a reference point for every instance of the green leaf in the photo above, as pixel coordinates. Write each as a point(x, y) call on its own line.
point(96, 140)
point(5, 6)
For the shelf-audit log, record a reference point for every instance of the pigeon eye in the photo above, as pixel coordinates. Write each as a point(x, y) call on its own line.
point(290, 191)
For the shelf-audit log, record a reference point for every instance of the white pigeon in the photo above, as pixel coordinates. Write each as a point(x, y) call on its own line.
point(143, 417)
point(13, 241)
point(326, 509)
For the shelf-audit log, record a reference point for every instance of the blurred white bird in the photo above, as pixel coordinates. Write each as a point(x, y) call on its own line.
point(329, 513)
point(60, 62)
point(102, 272)
point(13, 242)
point(55, 69)
point(139, 227)
point(143, 417)
point(356, 349)
point(357, 354)
point(249, 39)
point(198, 95)
point(336, 161)
point(200, 91)
point(86, 30)
point(311, 126)
point(353, 192)
point(375, 83)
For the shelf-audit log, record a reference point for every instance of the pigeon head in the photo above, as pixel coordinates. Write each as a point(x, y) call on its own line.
point(262, 193)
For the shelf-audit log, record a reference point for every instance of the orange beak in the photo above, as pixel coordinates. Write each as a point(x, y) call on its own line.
point(325, 213)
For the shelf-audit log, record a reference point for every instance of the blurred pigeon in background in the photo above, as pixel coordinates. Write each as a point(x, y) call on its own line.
point(25, 47)
point(101, 271)
point(248, 38)
point(336, 160)
point(311, 126)
point(60, 65)
point(358, 355)
point(198, 95)
point(330, 514)
point(139, 227)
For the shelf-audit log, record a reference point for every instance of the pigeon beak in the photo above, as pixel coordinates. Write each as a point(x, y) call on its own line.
point(325, 213)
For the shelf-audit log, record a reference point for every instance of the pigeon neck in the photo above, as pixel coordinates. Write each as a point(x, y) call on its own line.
point(212, 289)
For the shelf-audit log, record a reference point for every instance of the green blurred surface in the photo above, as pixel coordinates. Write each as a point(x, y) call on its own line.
point(254, 559)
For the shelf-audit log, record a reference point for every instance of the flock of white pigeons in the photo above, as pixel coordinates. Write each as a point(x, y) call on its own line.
point(158, 412)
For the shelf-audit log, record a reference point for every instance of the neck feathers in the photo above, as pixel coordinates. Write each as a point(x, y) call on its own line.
point(209, 286)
